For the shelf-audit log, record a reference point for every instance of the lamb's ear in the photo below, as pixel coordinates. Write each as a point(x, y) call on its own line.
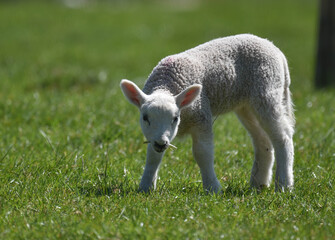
point(187, 96)
point(132, 93)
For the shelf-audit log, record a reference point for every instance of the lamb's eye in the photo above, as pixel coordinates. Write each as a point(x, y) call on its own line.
point(146, 119)
point(175, 120)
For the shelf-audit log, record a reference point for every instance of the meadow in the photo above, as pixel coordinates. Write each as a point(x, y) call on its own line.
point(71, 148)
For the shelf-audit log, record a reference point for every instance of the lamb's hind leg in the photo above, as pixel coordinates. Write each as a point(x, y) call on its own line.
point(279, 127)
point(261, 173)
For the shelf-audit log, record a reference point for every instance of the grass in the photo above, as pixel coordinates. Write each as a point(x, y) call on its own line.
point(71, 150)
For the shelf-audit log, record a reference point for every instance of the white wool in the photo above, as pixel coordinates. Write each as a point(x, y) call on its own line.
point(243, 73)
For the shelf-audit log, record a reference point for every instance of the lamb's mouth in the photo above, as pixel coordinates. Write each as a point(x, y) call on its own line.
point(161, 147)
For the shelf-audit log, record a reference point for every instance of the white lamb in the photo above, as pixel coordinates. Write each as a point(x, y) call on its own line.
point(243, 73)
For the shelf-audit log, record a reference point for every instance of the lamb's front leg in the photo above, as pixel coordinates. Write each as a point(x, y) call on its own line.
point(203, 152)
point(149, 178)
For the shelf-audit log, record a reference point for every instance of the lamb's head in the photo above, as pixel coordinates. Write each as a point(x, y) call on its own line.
point(160, 112)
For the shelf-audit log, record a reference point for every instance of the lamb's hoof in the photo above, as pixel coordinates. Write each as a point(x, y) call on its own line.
point(281, 188)
point(260, 188)
point(145, 190)
point(259, 184)
point(216, 189)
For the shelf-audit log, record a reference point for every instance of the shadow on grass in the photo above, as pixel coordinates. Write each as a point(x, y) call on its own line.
point(108, 189)
point(240, 191)
point(126, 188)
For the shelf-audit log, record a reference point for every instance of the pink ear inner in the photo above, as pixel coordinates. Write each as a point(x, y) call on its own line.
point(133, 94)
point(188, 97)
point(135, 100)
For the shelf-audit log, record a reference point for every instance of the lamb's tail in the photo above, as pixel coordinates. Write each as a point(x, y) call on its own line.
point(287, 101)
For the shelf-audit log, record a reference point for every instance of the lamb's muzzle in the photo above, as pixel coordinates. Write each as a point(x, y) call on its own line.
point(168, 145)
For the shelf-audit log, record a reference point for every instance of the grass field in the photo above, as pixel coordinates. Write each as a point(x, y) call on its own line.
point(71, 149)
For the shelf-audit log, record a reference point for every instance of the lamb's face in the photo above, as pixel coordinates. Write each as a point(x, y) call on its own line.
point(159, 112)
point(159, 118)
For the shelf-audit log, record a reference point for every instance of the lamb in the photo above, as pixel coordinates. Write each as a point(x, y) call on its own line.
point(184, 93)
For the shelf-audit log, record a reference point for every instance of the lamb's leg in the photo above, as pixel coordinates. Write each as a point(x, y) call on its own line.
point(261, 173)
point(149, 178)
point(282, 141)
point(280, 130)
point(203, 152)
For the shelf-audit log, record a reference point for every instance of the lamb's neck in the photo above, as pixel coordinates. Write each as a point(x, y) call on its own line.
point(165, 84)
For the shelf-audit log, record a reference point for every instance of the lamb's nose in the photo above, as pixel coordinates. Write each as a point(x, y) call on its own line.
point(161, 146)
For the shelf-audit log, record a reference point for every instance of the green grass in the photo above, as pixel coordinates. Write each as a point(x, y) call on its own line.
point(71, 149)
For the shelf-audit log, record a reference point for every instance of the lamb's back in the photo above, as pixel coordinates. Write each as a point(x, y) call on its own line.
point(238, 68)
point(230, 69)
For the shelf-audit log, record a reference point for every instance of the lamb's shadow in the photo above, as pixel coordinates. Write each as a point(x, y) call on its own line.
point(242, 191)
point(118, 189)
point(125, 189)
